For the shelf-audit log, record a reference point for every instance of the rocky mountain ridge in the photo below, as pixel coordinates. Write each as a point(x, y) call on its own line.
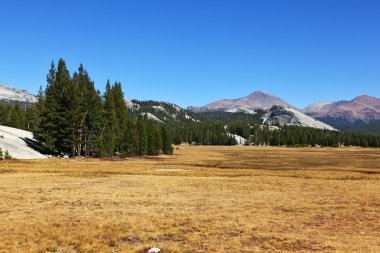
point(361, 109)
point(9, 94)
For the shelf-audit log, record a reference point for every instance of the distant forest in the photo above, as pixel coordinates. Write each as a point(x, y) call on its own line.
point(300, 136)
point(72, 117)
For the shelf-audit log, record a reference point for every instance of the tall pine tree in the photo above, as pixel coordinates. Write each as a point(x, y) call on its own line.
point(121, 116)
point(109, 131)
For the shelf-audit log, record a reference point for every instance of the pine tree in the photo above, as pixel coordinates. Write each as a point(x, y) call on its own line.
point(121, 116)
point(154, 141)
point(40, 111)
point(131, 139)
point(18, 118)
point(142, 135)
point(109, 132)
point(32, 118)
point(58, 111)
point(73, 116)
point(50, 111)
point(66, 100)
point(91, 114)
point(167, 147)
point(158, 141)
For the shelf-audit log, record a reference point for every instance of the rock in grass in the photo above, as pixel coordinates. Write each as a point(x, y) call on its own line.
point(154, 250)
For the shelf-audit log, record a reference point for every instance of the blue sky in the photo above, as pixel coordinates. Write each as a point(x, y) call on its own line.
point(196, 51)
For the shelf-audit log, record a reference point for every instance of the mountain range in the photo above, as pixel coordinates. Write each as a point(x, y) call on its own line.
point(361, 114)
point(362, 109)
point(277, 111)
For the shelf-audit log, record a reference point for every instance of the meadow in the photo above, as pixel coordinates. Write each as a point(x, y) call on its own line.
point(201, 199)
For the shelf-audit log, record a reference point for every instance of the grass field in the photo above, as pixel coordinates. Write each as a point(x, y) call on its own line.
point(202, 199)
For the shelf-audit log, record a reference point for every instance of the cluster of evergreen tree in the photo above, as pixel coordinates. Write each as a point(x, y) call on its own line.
point(73, 118)
point(202, 134)
point(22, 116)
point(294, 136)
point(372, 128)
point(231, 117)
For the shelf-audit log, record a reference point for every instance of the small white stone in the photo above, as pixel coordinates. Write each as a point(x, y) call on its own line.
point(154, 250)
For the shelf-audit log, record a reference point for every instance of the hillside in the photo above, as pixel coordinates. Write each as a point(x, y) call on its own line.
point(162, 112)
point(230, 117)
point(291, 117)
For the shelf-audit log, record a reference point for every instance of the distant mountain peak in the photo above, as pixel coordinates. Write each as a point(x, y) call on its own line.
point(317, 106)
point(258, 92)
point(364, 96)
point(366, 99)
point(255, 100)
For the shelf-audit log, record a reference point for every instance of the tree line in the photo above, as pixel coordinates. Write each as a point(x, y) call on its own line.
point(300, 136)
point(18, 115)
point(202, 134)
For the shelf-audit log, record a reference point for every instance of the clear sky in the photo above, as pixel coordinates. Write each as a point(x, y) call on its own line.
point(196, 51)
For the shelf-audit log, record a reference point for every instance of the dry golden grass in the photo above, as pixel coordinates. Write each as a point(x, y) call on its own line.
point(202, 199)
